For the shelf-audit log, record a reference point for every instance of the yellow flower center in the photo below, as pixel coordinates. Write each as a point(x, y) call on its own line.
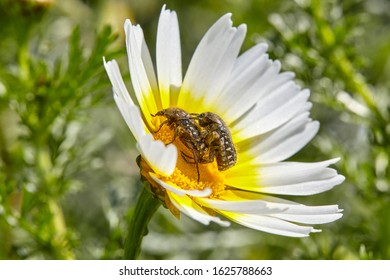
point(185, 174)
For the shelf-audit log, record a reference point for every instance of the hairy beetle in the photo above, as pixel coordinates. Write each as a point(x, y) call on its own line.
point(186, 129)
point(218, 140)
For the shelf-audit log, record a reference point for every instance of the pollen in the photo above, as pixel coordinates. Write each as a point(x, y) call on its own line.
point(185, 174)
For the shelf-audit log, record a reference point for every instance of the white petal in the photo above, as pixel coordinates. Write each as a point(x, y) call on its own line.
point(225, 65)
point(188, 207)
point(292, 178)
point(275, 109)
point(243, 95)
point(245, 60)
point(178, 190)
point(139, 46)
point(295, 212)
point(242, 88)
point(116, 79)
point(162, 159)
point(259, 207)
point(295, 172)
point(251, 203)
point(246, 70)
point(132, 116)
point(212, 61)
point(309, 218)
point(270, 224)
point(141, 69)
point(168, 57)
point(283, 142)
point(305, 188)
point(126, 106)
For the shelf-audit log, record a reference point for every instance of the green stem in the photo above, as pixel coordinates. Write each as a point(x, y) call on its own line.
point(146, 206)
point(60, 241)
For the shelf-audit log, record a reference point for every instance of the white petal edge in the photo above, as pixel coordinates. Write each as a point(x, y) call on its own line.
point(302, 189)
point(132, 117)
point(245, 73)
point(248, 57)
point(168, 57)
point(281, 173)
point(162, 159)
point(225, 67)
point(301, 213)
point(141, 69)
point(258, 207)
point(309, 218)
point(256, 88)
point(216, 53)
point(270, 224)
point(179, 191)
point(272, 111)
point(188, 207)
point(242, 88)
point(118, 85)
point(145, 56)
point(201, 69)
point(295, 172)
point(125, 104)
point(281, 143)
point(259, 204)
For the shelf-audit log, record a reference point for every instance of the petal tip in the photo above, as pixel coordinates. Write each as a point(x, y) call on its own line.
point(315, 230)
point(127, 24)
point(341, 179)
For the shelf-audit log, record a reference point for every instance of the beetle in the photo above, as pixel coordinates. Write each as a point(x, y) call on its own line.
point(218, 140)
point(187, 130)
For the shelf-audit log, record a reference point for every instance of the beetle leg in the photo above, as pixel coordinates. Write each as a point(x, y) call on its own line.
point(161, 125)
point(196, 163)
point(195, 160)
point(187, 158)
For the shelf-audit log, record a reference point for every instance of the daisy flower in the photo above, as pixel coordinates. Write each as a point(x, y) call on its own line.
point(265, 111)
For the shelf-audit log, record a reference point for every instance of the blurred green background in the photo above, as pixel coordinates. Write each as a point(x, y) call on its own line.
point(68, 176)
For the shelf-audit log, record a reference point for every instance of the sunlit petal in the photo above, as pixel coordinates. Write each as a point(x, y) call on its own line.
point(141, 70)
point(161, 158)
point(116, 80)
point(168, 57)
point(269, 224)
point(211, 64)
point(188, 207)
point(292, 178)
point(281, 143)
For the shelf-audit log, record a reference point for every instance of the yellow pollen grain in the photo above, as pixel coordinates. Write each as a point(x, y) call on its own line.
point(185, 174)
